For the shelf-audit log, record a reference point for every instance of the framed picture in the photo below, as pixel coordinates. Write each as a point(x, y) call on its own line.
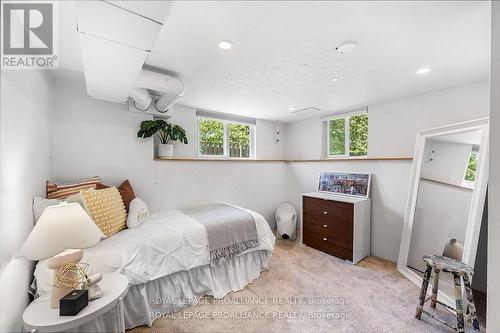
point(351, 184)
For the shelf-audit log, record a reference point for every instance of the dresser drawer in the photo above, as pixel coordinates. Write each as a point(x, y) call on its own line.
point(327, 224)
point(319, 224)
point(328, 208)
point(329, 241)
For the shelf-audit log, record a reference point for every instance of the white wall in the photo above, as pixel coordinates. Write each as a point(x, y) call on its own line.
point(449, 161)
point(94, 137)
point(25, 150)
point(185, 117)
point(393, 125)
point(493, 306)
point(266, 146)
point(304, 140)
point(392, 130)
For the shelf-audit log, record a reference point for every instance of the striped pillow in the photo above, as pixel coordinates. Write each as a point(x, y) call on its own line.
point(62, 191)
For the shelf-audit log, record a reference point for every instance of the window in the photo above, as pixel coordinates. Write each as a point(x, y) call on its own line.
point(471, 169)
point(348, 135)
point(211, 134)
point(239, 140)
point(225, 138)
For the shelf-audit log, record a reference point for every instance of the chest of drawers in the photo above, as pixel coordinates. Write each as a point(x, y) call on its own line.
point(337, 225)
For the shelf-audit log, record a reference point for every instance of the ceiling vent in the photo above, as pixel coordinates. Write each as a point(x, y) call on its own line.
point(308, 109)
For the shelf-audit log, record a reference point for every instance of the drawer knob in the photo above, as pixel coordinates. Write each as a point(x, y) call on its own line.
point(325, 239)
point(325, 225)
point(326, 213)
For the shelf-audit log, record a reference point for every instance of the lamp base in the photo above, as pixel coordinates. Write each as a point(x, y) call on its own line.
point(55, 263)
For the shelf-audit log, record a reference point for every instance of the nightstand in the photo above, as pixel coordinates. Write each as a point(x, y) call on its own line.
point(40, 317)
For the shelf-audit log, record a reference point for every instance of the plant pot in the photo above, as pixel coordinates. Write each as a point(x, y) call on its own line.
point(165, 150)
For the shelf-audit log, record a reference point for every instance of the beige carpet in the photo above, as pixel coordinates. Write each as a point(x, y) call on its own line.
point(369, 297)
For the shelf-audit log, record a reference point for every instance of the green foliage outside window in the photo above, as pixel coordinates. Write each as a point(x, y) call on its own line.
point(211, 134)
point(337, 136)
point(357, 136)
point(239, 140)
point(358, 133)
point(211, 131)
point(470, 173)
point(239, 134)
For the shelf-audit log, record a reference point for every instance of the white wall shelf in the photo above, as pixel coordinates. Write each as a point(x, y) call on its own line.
point(195, 159)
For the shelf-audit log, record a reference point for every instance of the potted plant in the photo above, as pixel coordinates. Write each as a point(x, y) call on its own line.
point(165, 132)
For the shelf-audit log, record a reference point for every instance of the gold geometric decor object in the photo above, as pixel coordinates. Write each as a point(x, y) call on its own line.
point(71, 275)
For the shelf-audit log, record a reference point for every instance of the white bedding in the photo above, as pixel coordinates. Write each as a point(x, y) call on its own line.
point(166, 243)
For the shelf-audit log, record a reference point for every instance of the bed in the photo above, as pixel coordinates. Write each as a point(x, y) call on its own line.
point(167, 262)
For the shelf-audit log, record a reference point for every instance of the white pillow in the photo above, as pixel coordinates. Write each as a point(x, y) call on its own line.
point(137, 213)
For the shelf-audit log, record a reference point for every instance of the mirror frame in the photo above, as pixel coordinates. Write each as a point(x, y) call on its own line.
point(477, 202)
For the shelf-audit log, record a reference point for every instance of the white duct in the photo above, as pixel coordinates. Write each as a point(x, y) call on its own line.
point(165, 101)
point(170, 88)
point(142, 98)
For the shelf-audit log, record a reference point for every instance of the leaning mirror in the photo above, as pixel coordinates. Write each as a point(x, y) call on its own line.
point(446, 200)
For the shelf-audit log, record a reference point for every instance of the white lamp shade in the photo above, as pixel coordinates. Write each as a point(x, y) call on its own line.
point(60, 227)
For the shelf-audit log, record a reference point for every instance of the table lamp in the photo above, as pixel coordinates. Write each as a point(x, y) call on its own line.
point(59, 230)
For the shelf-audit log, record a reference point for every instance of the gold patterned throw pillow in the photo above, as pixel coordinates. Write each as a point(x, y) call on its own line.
point(106, 208)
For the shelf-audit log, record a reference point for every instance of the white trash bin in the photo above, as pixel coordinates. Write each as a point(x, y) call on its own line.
point(286, 221)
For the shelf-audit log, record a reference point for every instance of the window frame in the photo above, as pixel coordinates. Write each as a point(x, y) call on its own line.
point(347, 134)
point(225, 145)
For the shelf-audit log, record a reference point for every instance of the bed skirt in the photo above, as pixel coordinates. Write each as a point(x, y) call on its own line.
point(148, 301)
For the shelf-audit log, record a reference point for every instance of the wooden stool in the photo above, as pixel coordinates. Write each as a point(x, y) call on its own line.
point(459, 271)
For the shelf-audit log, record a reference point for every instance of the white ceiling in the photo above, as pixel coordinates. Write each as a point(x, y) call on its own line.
point(284, 52)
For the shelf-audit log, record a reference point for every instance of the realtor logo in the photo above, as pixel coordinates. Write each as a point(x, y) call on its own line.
point(28, 35)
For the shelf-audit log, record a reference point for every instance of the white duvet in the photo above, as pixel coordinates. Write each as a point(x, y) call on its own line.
point(167, 242)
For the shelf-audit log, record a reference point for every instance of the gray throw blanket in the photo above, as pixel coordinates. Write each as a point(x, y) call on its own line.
point(230, 230)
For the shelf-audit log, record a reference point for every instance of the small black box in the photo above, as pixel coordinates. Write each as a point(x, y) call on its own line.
point(73, 302)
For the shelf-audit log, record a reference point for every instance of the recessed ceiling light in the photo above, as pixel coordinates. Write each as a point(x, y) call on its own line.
point(291, 108)
point(225, 45)
point(335, 79)
point(346, 47)
point(423, 71)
